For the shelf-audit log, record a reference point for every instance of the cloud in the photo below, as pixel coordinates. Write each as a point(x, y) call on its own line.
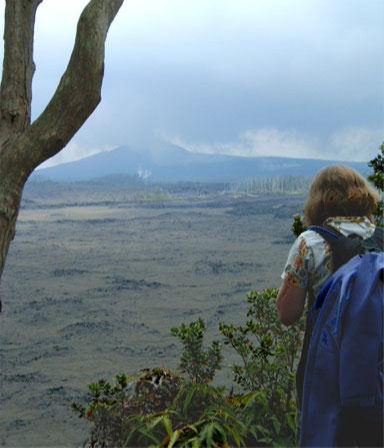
point(275, 142)
point(356, 143)
point(353, 144)
point(269, 142)
point(72, 152)
point(349, 144)
point(253, 77)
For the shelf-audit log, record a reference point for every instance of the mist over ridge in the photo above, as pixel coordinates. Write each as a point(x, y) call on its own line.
point(175, 164)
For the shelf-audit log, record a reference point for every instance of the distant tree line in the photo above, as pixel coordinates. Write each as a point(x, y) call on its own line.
point(273, 184)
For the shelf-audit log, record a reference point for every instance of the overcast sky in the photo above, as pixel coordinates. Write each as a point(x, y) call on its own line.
point(295, 78)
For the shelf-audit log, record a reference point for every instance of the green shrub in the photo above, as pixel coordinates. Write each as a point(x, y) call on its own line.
point(377, 178)
point(159, 407)
point(200, 365)
point(269, 353)
point(297, 225)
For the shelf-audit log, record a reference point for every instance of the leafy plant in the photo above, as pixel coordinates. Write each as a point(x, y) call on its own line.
point(377, 178)
point(200, 365)
point(105, 410)
point(269, 354)
point(297, 225)
point(122, 412)
point(162, 408)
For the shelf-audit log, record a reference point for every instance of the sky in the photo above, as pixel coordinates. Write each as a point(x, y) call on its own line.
point(291, 78)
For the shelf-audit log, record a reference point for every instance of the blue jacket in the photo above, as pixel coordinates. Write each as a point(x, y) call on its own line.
point(345, 358)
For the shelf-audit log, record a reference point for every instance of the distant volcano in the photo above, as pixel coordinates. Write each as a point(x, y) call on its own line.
point(173, 164)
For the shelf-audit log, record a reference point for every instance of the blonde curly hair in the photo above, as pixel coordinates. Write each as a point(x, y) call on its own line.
point(339, 191)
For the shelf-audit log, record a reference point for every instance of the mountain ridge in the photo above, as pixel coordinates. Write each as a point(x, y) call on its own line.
point(174, 164)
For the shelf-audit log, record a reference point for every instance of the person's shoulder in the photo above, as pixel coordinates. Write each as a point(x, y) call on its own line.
point(347, 225)
point(310, 236)
point(308, 242)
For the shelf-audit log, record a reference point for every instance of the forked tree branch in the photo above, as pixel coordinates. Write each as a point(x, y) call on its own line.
point(77, 95)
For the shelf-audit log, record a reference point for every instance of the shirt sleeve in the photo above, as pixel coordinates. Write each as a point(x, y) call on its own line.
point(300, 263)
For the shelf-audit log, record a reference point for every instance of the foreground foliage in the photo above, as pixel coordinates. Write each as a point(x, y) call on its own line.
point(377, 178)
point(162, 408)
point(269, 353)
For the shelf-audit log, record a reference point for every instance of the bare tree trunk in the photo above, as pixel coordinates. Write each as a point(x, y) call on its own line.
point(9, 208)
point(24, 146)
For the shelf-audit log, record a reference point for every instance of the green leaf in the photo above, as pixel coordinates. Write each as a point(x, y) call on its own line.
point(221, 431)
point(168, 425)
point(262, 430)
point(248, 398)
point(276, 425)
point(193, 427)
point(235, 435)
point(156, 421)
point(188, 399)
point(174, 438)
point(195, 442)
point(207, 434)
point(144, 432)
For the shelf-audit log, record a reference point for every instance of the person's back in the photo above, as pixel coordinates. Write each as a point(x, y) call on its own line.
point(343, 200)
point(310, 260)
point(343, 381)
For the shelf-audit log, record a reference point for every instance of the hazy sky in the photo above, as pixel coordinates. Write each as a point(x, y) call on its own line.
point(299, 78)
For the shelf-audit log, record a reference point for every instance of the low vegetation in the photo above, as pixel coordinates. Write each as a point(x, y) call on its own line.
point(377, 178)
point(164, 408)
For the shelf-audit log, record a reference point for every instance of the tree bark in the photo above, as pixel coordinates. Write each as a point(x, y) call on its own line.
point(18, 66)
point(24, 146)
point(10, 197)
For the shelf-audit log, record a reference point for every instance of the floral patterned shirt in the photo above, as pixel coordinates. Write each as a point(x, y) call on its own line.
point(309, 261)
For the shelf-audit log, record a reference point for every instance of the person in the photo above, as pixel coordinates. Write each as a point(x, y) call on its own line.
point(343, 200)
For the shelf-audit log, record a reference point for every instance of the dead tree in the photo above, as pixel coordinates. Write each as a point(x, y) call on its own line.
point(25, 145)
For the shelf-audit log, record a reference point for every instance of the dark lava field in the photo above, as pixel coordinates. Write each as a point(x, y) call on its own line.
point(97, 276)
